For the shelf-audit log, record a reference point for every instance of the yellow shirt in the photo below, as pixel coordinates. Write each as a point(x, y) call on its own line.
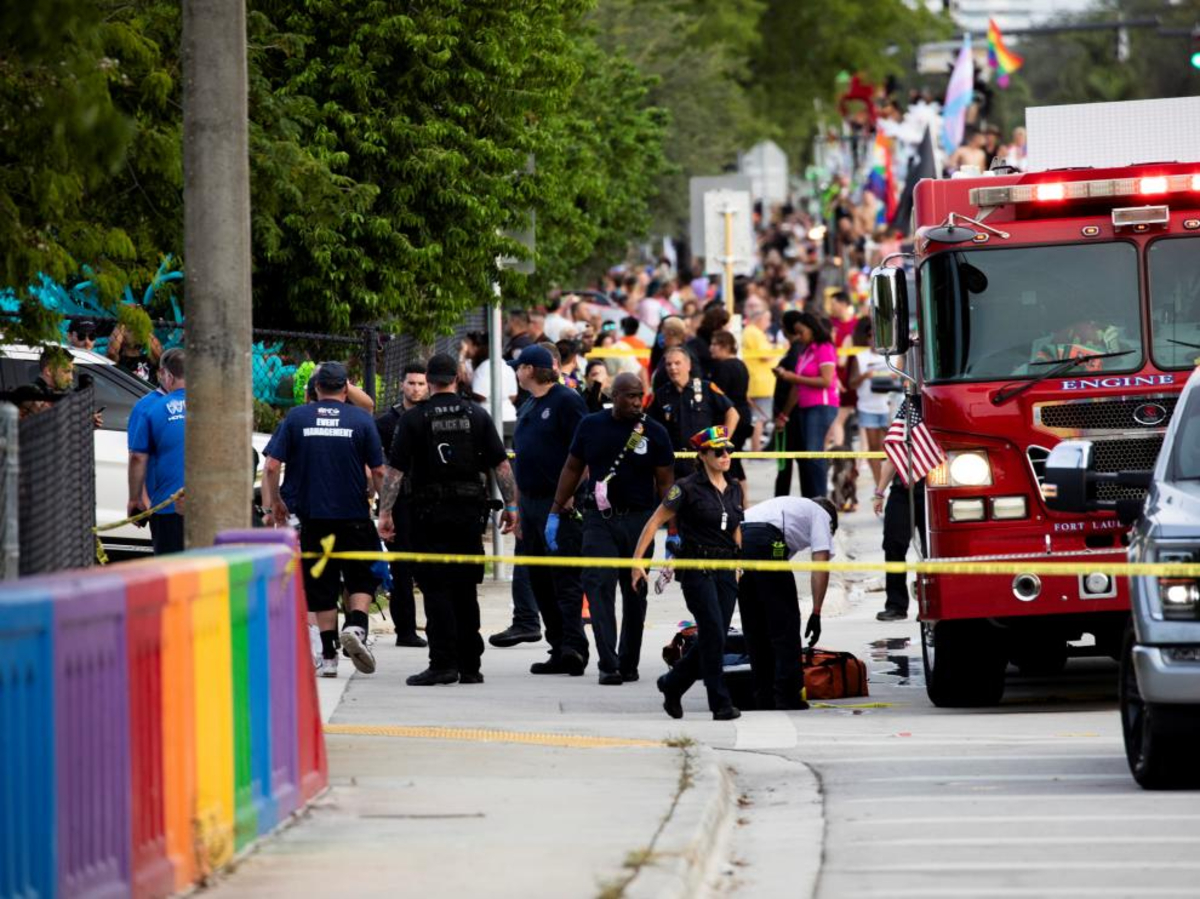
point(760, 357)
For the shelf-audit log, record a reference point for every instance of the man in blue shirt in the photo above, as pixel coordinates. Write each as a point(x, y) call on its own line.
point(328, 446)
point(545, 426)
point(630, 465)
point(156, 447)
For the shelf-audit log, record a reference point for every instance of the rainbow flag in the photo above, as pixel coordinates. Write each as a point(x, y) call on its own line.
point(881, 181)
point(1000, 58)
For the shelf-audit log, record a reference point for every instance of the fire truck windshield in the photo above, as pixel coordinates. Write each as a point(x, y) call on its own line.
point(997, 314)
point(1173, 267)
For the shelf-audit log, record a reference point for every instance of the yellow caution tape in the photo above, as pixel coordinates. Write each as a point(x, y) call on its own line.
point(1113, 569)
point(134, 519)
point(774, 454)
point(480, 735)
point(854, 705)
point(783, 454)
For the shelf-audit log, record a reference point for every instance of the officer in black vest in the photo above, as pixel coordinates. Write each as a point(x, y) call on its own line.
point(687, 404)
point(446, 446)
point(401, 603)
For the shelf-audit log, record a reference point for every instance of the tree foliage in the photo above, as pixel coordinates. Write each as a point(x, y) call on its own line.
point(806, 44)
point(1082, 66)
point(388, 150)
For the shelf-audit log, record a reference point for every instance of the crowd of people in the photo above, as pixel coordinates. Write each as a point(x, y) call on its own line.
point(623, 409)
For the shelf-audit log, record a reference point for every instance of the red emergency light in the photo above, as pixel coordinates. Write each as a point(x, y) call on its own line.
point(1057, 191)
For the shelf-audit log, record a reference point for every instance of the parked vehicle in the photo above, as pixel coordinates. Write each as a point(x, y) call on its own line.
point(116, 393)
point(1160, 656)
point(1053, 304)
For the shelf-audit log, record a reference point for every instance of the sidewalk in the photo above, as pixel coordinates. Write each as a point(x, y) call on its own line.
point(523, 786)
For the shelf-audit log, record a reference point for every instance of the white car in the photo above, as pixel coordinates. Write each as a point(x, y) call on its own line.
point(116, 393)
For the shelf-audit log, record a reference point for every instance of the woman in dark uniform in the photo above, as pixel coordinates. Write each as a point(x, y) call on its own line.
point(709, 511)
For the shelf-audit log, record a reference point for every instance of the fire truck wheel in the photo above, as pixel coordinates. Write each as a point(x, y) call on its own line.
point(1159, 739)
point(964, 663)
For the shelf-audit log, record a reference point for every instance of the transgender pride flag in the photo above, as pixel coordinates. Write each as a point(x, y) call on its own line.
point(958, 98)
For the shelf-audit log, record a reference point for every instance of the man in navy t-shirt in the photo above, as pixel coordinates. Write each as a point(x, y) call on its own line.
point(328, 446)
point(546, 424)
point(156, 442)
point(630, 468)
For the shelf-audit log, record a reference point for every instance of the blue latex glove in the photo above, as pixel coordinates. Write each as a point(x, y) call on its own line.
point(673, 544)
point(551, 533)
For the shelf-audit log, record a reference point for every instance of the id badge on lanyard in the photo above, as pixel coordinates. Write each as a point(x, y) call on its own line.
point(602, 502)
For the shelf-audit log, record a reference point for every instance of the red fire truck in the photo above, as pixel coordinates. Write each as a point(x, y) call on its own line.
point(1050, 304)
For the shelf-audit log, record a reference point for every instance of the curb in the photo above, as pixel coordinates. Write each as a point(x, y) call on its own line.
point(690, 845)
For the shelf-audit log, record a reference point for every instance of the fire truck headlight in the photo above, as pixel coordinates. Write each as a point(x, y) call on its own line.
point(970, 469)
point(1009, 507)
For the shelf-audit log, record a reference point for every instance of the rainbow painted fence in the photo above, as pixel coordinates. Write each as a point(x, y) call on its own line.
point(155, 718)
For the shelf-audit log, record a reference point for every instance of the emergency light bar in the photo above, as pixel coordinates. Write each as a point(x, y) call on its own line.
point(1059, 191)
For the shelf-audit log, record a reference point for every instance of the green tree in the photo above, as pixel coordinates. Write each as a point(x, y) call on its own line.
point(1082, 66)
point(63, 138)
point(805, 45)
point(698, 53)
point(388, 146)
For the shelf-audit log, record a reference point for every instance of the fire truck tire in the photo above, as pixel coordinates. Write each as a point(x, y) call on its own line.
point(964, 663)
point(1160, 740)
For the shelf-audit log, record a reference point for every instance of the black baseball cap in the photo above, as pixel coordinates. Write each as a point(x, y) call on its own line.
point(81, 326)
point(331, 376)
point(441, 365)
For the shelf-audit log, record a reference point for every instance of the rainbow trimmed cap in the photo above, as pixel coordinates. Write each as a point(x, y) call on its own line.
point(712, 438)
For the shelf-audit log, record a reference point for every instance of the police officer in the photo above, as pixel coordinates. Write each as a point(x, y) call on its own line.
point(687, 404)
point(546, 424)
point(327, 447)
point(778, 529)
point(401, 603)
point(894, 506)
point(708, 506)
point(630, 466)
point(446, 445)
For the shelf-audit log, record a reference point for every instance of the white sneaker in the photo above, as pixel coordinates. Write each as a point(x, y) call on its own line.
point(328, 667)
point(314, 645)
point(354, 641)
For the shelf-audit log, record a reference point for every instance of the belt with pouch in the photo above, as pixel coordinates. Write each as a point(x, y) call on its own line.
point(778, 548)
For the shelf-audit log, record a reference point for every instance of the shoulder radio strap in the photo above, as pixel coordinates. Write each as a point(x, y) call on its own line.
point(635, 437)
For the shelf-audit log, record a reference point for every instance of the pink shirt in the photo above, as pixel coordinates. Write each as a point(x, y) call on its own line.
point(809, 366)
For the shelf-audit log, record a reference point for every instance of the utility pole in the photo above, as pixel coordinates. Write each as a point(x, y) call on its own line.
point(216, 238)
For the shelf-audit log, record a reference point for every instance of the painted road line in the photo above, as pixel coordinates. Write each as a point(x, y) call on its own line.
point(1133, 792)
point(477, 735)
point(985, 778)
point(1025, 841)
point(765, 730)
point(1009, 819)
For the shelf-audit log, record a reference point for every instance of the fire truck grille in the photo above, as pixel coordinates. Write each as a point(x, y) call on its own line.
point(1114, 415)
point(1124, 454)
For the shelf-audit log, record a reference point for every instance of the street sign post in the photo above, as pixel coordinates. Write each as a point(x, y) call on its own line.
point(728, 238)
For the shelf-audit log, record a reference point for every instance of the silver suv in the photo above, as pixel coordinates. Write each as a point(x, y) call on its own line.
point(1160, 661)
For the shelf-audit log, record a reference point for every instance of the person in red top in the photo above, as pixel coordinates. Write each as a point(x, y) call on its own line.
point(844, 321)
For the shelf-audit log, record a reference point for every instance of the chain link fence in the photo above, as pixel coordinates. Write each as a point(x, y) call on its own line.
point(10, 457)
point(57, 486)
point(403, 349)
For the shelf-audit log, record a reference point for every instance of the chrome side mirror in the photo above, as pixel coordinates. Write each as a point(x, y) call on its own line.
point(1066, 481)
point(889, 311)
